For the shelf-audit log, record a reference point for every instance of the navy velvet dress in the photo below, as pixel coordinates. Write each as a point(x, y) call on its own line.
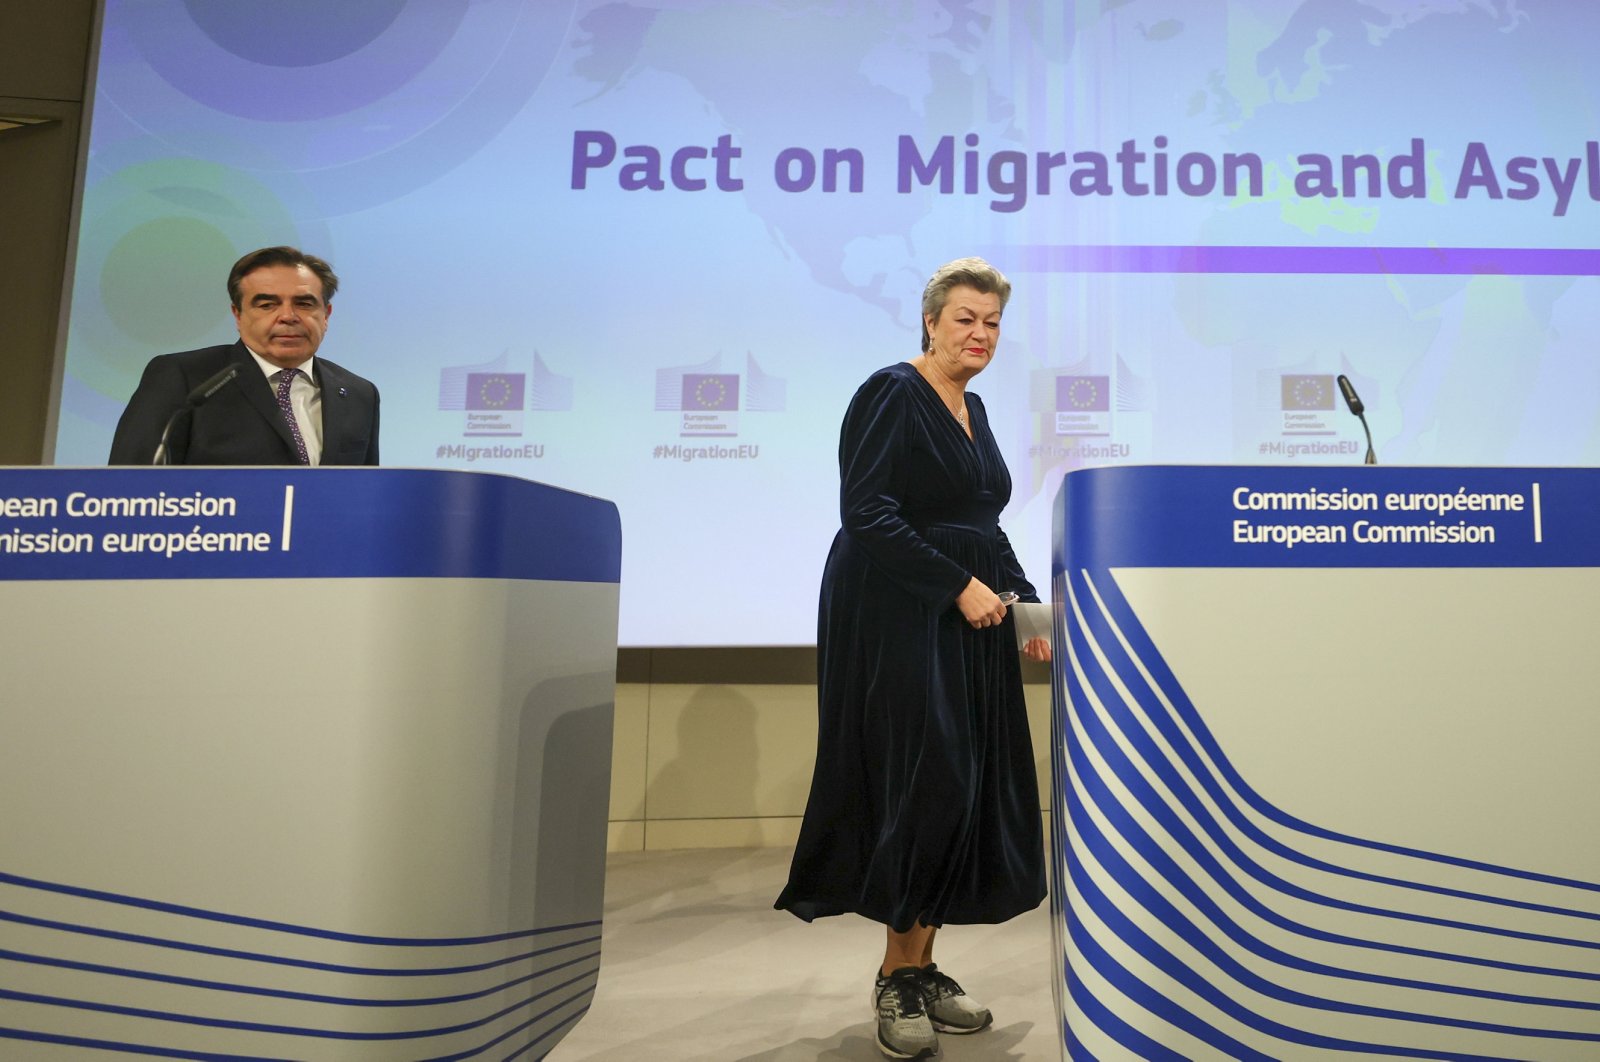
point(924, 806)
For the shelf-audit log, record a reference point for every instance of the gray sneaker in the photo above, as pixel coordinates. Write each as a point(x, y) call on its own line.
point(950, 1009)
point(904, 1030)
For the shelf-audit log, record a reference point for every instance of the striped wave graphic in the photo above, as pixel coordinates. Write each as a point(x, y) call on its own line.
point(764, 392)
point(84, 969)
point(1195, 920)
point(548, 392)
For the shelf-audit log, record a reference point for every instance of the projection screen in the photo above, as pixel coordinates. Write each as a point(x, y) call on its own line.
point(647, 250)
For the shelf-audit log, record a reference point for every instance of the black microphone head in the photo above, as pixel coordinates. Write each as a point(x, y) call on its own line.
point(1351, 399)
point(211, 385)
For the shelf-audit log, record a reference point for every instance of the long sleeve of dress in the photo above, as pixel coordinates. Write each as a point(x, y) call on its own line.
point(872, 444)
point(1025, 590)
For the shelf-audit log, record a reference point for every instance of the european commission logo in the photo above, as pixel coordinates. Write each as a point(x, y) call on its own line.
point(710, 392)
point(709, 400)
point(1088, 417)
point(1083, 405)
point(1307, 391)
point(493, 399)
point(494, 404)
point(495, 390)
point(1306, 400)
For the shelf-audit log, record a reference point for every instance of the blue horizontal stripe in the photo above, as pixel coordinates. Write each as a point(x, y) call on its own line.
point(1150, 656)
point(279, 993)
point(1184, 794)
point(1146, 797)
point(128, 1048)
point(279, 927)
point(279, 960)
point(1119, 923)
point(123, 1047)
point(1135, 990)
point(1129, 673)
point(1127, 826)
point(1300, 260)
point(284, 1030)
point(1169, 871)
point(509, 1033)
point(542, 1037)
point(1108, 1022)
point(1072, 1044)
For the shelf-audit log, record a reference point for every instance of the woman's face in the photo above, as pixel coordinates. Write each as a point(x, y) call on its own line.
point(963, 336)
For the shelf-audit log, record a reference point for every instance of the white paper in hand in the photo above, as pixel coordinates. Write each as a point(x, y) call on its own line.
point(1032, 621)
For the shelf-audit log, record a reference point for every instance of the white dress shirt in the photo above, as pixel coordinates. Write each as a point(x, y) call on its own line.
point(306, 398)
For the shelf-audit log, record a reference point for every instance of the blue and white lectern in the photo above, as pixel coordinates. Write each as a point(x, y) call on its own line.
point(301, 764)
point(1326, 748)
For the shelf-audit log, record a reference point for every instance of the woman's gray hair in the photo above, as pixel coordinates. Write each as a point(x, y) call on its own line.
point(973, 273)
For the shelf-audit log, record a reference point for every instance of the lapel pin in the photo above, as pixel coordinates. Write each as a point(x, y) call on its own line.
point(343, 392)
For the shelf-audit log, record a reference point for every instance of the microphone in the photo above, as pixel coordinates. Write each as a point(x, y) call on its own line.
point(212, 384)
point(208, 387)
point(1353, 400)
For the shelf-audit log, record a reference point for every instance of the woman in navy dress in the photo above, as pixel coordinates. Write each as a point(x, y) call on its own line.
point(924, 809)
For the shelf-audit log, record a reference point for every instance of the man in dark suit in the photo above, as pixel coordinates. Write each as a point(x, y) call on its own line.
point(284, 407)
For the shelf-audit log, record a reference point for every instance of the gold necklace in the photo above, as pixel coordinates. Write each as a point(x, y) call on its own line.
point(959, 409)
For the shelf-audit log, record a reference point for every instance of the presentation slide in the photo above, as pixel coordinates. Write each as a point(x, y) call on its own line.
point(647, 250)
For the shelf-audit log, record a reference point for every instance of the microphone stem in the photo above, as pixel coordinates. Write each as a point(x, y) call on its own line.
point(163, 455)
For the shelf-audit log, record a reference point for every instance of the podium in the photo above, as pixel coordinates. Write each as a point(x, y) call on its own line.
point(1325, 747)
point(301, 763)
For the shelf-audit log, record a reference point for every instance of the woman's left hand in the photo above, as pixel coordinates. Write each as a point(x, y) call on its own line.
point(1037, 649)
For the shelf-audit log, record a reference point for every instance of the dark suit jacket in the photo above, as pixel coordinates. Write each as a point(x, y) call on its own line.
point(241, 424)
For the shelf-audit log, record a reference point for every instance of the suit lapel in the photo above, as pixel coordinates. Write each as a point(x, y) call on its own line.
point(258, 390)
point(334, 400)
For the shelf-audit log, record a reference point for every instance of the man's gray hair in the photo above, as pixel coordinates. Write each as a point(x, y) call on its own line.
point(973, 273)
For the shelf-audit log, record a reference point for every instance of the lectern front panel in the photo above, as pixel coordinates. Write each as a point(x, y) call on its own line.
point(1323, 758)
point(301, 763)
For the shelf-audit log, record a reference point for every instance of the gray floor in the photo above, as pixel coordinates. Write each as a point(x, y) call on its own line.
point(697, 965)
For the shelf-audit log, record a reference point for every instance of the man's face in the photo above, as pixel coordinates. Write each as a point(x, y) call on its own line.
point(281, 315)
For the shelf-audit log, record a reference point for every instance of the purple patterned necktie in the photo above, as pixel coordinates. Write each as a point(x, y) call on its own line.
point(286, 381)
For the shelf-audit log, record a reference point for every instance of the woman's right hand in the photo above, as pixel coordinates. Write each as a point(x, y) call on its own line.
point(980, 605)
